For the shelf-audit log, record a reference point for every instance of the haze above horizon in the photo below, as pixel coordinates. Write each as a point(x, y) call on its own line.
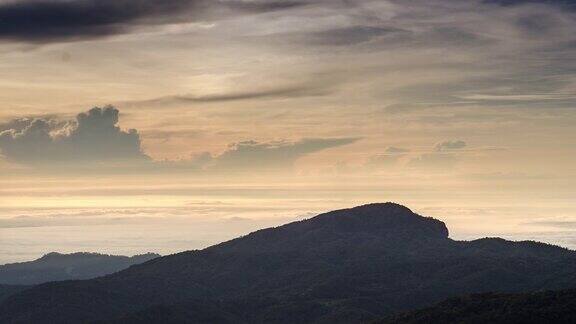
point(161, 126)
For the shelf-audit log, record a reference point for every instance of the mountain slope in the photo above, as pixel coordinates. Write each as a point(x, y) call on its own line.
point(57, 267)
point(9, 290)
point(348, 265)
point(541, 307)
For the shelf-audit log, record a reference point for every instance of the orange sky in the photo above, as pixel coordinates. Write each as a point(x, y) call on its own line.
point(230, 118)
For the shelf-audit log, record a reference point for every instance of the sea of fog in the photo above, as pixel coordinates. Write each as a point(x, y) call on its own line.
point(26, 234)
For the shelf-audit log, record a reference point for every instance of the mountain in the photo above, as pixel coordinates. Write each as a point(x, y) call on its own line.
point(541, 307)
point(9, 290)
point(54, 266)
point(346, 266)
point(57, 267)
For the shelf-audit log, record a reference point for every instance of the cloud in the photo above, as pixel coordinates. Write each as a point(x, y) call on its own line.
point(433, 161)
point(563, 3)
point(351, 35)
point(494, 53)
point(92, 138)
point(297, 91)
point(442, 158)
point(388, 159)
point(396, 150)
point(562, 224)
point(450, 145)
point(15, 124)
point(45, 21)
point(254, 155)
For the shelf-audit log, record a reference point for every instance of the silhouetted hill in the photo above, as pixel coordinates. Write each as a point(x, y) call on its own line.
point(542, 307)
point(9, 290)
point(57, 267)
point(344, 266)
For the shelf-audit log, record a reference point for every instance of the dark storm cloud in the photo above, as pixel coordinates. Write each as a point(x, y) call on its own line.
point(44, 21)
point(92, 138)
point(564, 3)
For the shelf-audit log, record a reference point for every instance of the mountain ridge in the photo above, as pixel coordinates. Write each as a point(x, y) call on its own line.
point(56, 266)
point(535, 307)
point(348, 266)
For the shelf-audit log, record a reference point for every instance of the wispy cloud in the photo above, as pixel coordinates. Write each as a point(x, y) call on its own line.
point(298, 91)
point(250, 155)
point(444, 157)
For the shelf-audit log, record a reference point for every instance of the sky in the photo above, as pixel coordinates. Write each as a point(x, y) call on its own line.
point(129, 126)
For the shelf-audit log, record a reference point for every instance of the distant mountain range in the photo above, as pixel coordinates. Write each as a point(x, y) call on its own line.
point(57, 267)
point(15, 277)
point(346, 266)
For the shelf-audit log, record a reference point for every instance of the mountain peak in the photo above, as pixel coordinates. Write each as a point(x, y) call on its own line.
point(386, 206)
point(377, 223)
point(345, 266)
point(64, 256)
point(51, 255)
point(389, 219)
